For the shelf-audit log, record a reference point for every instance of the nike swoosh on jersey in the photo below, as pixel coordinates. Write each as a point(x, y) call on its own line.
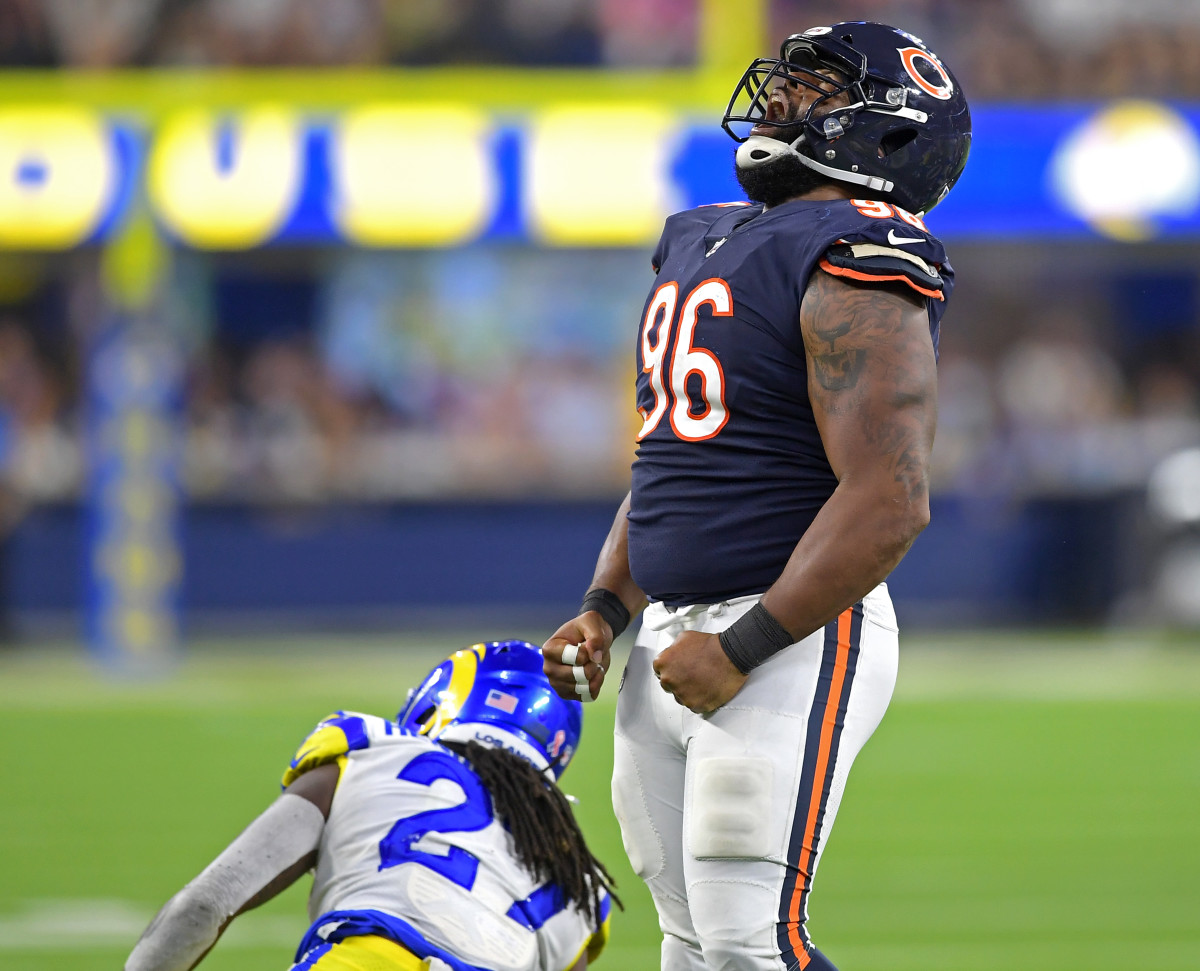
point(901, 240)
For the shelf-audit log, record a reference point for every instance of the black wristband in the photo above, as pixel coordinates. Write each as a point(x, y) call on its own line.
point(608, 605)
point(754, 637)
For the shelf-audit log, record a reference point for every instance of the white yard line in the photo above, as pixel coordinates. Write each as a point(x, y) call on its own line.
point(78, 925)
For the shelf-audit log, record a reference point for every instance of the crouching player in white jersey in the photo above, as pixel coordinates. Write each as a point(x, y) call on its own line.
point(440, 840)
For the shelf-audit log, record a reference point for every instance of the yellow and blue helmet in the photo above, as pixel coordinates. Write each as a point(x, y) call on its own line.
point(496, 694)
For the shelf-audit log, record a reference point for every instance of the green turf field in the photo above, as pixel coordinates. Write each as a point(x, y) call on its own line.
point(1029, 802)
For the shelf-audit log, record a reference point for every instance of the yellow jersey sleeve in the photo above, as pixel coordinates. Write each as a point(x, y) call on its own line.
point(334, 738)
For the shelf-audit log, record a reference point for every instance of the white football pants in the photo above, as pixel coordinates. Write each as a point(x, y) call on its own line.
point(725, 815)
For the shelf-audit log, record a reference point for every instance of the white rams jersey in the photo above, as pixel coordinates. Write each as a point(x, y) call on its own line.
point(412, 849)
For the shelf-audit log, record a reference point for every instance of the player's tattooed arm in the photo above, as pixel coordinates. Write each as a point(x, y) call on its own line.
point(872, 383)
point(871, 368)
point(835, 368)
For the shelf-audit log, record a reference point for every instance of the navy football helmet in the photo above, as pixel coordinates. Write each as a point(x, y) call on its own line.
point(904, 134)
point(497, 694)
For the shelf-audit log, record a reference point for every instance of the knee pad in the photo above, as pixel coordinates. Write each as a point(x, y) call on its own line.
point(736, 923)
point(680, 955)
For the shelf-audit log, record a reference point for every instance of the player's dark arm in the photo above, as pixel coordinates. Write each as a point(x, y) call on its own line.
point(269, 856)
point(590, 629)
point(612, 565)
point(873, 387)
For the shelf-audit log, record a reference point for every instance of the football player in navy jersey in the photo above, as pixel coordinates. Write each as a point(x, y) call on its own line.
point(785, 373)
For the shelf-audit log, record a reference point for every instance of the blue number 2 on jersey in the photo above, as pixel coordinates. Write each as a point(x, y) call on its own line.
point(471, 815)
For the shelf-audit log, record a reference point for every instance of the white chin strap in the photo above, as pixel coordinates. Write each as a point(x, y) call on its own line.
point(760, 150)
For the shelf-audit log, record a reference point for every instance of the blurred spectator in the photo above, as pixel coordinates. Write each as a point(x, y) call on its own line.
point(212, 462)
point(1092, 23)
point(1164, 390)
point(24, 35)
point(1014, 50)
point(293, 427)
point(325, 33)
point(100, 33)
point(641, 33)
point(966, 420)
point(259, 33)
point(1058, 392)
point(1001, 49)
point(43, 455)
point(424, 31)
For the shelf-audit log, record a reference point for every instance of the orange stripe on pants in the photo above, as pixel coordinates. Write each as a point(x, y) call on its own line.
point(828, 725)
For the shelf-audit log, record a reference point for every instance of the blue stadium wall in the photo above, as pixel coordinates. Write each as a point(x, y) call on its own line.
point(456, 564)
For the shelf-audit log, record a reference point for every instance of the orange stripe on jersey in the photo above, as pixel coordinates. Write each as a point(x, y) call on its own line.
point(871, 277)
point(828, 726)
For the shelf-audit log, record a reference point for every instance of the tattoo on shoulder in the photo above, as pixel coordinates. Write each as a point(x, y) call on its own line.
point(843, 322)
point(836, 369)
point(871, 364)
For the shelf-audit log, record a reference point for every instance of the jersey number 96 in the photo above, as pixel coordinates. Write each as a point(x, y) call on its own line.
point(686, 360)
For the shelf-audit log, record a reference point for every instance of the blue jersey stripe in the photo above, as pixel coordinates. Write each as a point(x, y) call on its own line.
point(538, 907)
point(825, 722)
point(337, 925)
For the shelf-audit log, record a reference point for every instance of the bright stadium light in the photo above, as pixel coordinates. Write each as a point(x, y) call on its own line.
point(1128, 166)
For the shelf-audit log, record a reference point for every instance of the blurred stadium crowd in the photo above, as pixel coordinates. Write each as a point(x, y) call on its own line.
point(355, 375)
point(335, 381)
point(320, 375)
point(1001, 49)
point(114, 33)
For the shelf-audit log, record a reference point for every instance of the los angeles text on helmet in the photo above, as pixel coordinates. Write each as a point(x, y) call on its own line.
point(496, 694)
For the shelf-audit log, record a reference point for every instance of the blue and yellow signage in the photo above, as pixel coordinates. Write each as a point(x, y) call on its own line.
point(437, 174)
point(65, 171)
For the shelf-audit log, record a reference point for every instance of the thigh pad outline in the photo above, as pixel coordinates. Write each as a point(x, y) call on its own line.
point(728, 813)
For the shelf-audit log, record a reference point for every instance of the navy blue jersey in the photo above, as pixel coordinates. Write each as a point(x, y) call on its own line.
point(730, 469)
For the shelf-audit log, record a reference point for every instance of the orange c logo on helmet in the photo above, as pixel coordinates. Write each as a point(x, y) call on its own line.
point(909, 55)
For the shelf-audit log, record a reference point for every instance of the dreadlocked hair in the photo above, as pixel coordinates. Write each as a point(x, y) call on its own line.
point(546, 838)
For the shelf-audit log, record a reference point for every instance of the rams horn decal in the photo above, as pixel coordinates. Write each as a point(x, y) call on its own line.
point(908, 56)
